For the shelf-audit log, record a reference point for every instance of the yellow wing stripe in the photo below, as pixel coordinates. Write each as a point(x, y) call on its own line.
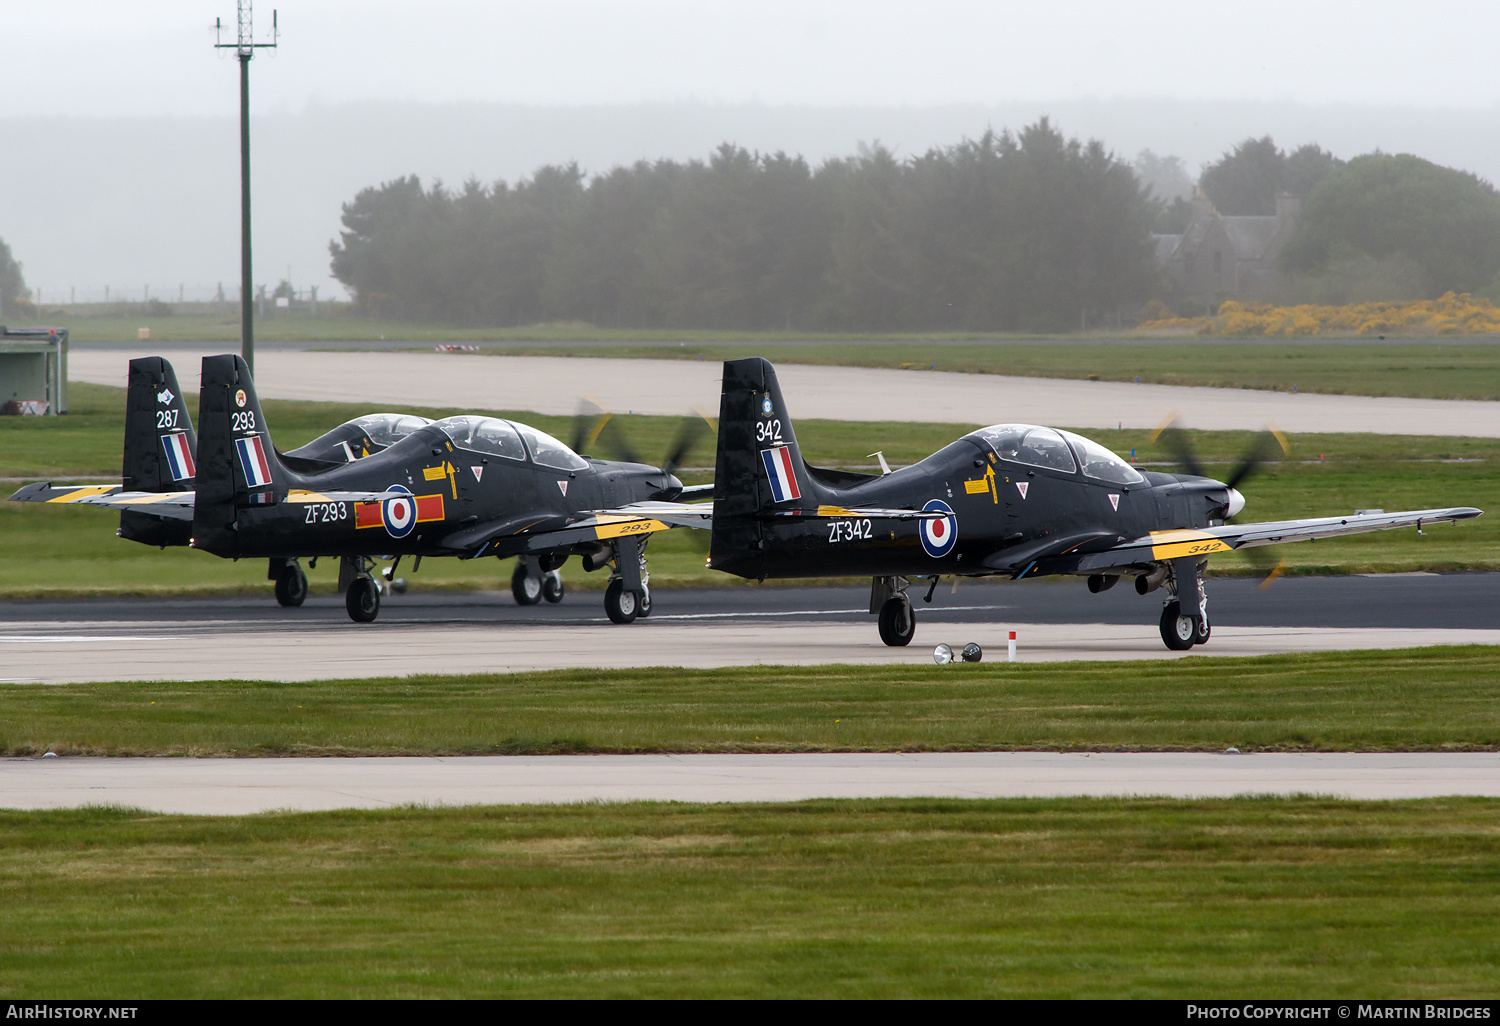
point(302, 495)
point(148, 500)
point(1176, 544)
point(633, 526)
point(85, 493)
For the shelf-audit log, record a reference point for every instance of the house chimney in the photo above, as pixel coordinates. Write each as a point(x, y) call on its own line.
point(1201, 206)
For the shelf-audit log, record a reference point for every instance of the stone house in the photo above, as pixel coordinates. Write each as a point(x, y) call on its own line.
point(1221, 257)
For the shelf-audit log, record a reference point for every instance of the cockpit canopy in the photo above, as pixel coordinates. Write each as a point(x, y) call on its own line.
point(387, 428)
point(1052, 449)
point(510, 440)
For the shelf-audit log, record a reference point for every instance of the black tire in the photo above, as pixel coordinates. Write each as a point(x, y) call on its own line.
point(1176, 629)
point(363, 600)
point(291, 587)
point(898, 622)
point(1204, 634)
point(526, 588)
point(552, 588)
point(621, 605)
point(645, 603)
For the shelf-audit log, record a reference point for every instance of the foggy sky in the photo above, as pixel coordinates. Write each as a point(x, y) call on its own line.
point(124, 114)
point(149, 57)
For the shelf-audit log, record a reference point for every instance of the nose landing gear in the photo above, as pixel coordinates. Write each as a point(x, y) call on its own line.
point(1184, 619)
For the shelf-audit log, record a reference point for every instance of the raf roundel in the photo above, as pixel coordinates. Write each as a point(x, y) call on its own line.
point(399, 514)
point(939, 534)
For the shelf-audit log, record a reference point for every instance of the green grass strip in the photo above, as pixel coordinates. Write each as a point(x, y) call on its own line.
point(1080, 898)
point(1404, 700)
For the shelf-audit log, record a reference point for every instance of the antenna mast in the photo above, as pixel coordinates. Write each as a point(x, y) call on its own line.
point(244, 48)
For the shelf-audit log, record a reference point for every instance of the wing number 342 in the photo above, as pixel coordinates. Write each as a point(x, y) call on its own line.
point(768, 431)
point(848, 530)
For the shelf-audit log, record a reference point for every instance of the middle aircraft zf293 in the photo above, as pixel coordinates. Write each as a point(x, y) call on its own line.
point(1013, 500)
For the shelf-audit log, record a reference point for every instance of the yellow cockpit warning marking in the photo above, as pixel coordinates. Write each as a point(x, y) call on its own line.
point(302, 495)
point(835, 511)
point(980, 485)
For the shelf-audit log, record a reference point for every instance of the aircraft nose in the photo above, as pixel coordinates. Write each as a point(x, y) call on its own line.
point(1236, 502)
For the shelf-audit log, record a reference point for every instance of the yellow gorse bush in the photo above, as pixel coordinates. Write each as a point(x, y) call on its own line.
point(1450, 314)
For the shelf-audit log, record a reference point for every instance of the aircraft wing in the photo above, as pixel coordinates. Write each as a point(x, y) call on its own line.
point(548, 533)
point(1164, 545)
point(169, 505)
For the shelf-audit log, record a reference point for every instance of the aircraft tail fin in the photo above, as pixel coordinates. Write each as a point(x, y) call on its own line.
point(759, 467)
point(161, 448)
point(237, 464)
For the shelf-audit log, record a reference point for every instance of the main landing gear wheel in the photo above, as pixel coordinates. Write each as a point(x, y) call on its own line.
point(526, 588)
point(552, 587)
point(645, 602)
point(898, 621)
point(1177, 630)
point(363, 600)
point(291, 586)
point(621, 604)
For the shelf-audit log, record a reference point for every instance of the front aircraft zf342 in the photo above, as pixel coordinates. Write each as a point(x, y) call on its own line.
point(1012, 500)
point(465, 486)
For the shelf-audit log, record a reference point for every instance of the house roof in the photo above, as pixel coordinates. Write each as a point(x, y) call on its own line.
point(1251, 235)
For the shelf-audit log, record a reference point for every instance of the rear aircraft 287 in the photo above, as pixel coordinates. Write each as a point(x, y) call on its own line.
point(463, 486)
point(1012, 500)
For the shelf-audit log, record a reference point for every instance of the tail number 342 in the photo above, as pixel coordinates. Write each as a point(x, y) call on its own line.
point(848, 530)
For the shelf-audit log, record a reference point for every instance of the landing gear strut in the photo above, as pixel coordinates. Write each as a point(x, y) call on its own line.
point(629, 593)
point(1184, 619)
point(291, 582)
point(361, 590)
point(898, 621)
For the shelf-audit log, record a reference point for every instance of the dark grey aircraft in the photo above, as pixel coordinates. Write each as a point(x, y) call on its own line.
point(1012, 500)
point(464, 486)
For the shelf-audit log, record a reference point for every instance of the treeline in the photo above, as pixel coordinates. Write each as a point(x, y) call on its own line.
point(1024, 231)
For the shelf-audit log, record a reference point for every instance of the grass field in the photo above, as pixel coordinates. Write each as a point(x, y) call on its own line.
point(1403, 700)
point(51, 550)
point(858, 899)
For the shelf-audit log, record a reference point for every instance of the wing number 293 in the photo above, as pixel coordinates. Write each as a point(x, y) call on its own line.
point(848, 530)
point(768, 431)
point(242, 421)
